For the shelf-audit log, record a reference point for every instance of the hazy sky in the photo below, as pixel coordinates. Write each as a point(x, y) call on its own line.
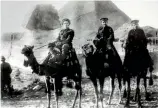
point(14, 14)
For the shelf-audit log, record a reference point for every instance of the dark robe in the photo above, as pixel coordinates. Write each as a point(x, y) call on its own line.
point(5, 75)
point(67, 56)
point(66, 36)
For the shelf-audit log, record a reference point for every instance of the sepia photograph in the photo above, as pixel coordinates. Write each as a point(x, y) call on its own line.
point(79, 54)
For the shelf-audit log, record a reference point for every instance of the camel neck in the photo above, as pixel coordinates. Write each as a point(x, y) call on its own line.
point(34, 64)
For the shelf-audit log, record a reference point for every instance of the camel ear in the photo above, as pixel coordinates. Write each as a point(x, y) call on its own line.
point(82, 47)
point(32, 47)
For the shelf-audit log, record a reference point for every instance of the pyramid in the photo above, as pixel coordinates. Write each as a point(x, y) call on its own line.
point(85, 18)
point(44, 17)
point(85, 15)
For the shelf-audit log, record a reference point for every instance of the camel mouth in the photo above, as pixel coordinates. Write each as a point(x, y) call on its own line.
point(22, 52)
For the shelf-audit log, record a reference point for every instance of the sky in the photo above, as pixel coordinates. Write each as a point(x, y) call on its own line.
point(14, 14)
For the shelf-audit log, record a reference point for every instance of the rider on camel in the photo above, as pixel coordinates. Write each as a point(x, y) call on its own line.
point(137, 39)
point(104, 42)
point(61, 52)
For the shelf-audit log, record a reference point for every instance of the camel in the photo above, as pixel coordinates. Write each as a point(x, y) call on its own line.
point(135, 66)
point(53, 75)
point(100, 68)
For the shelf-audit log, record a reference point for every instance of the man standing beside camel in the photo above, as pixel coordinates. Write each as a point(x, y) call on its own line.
point(5, 76)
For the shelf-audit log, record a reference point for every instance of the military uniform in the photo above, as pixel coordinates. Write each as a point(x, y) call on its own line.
point(136, 38)
point(105, 37)
point(105, 48)
point(104, 40)
point(137, 41)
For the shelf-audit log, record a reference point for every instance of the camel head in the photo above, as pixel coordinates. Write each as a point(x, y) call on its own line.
point(27, 50)
point(28, 53)
point(87, 49)
point(30, 60)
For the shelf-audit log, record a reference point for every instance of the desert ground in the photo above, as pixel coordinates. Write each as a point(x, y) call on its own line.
point(37, 98)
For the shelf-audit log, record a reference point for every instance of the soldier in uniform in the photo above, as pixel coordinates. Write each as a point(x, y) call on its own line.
point(105, 38)
point(137, 39)
point(105, 35)
point(5, 75)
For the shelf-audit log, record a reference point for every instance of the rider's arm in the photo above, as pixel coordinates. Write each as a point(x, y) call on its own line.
point(58, 38)
point(98, 38)
point(111, 37)
point(69, 38)
point(145, 41)
point(129, 40)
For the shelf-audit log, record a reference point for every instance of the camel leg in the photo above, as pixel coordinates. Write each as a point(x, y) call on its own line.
point(120, 87)
point(55, 92)
point(124, 91)
point(124, 95)
point(124, 87)
point(111, 94)
point(138, 92)
point(128, 93)
point(47, 82)
point(80, 93)
point(150, 79)
point(145, 86)
point(101, 81)
point(75, 99)
point(94, 81)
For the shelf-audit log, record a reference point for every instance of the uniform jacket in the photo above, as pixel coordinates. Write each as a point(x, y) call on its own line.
point(105, 36)
point(136, 38)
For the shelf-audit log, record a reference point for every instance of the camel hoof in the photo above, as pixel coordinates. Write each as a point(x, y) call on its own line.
point(97, 106)
point(140, 106)
point(127, 106)
point(135, 98)
point(101, 96)
point(147, 97)
point(108, 103)
point(124, 94)
point(59, 93)
point(121, 102)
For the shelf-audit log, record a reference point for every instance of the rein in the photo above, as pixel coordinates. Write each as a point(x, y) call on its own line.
point(41, 47)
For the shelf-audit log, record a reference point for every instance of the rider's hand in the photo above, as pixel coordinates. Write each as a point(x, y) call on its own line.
point(58, 43)
point(151, 68)
point(108, 47)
